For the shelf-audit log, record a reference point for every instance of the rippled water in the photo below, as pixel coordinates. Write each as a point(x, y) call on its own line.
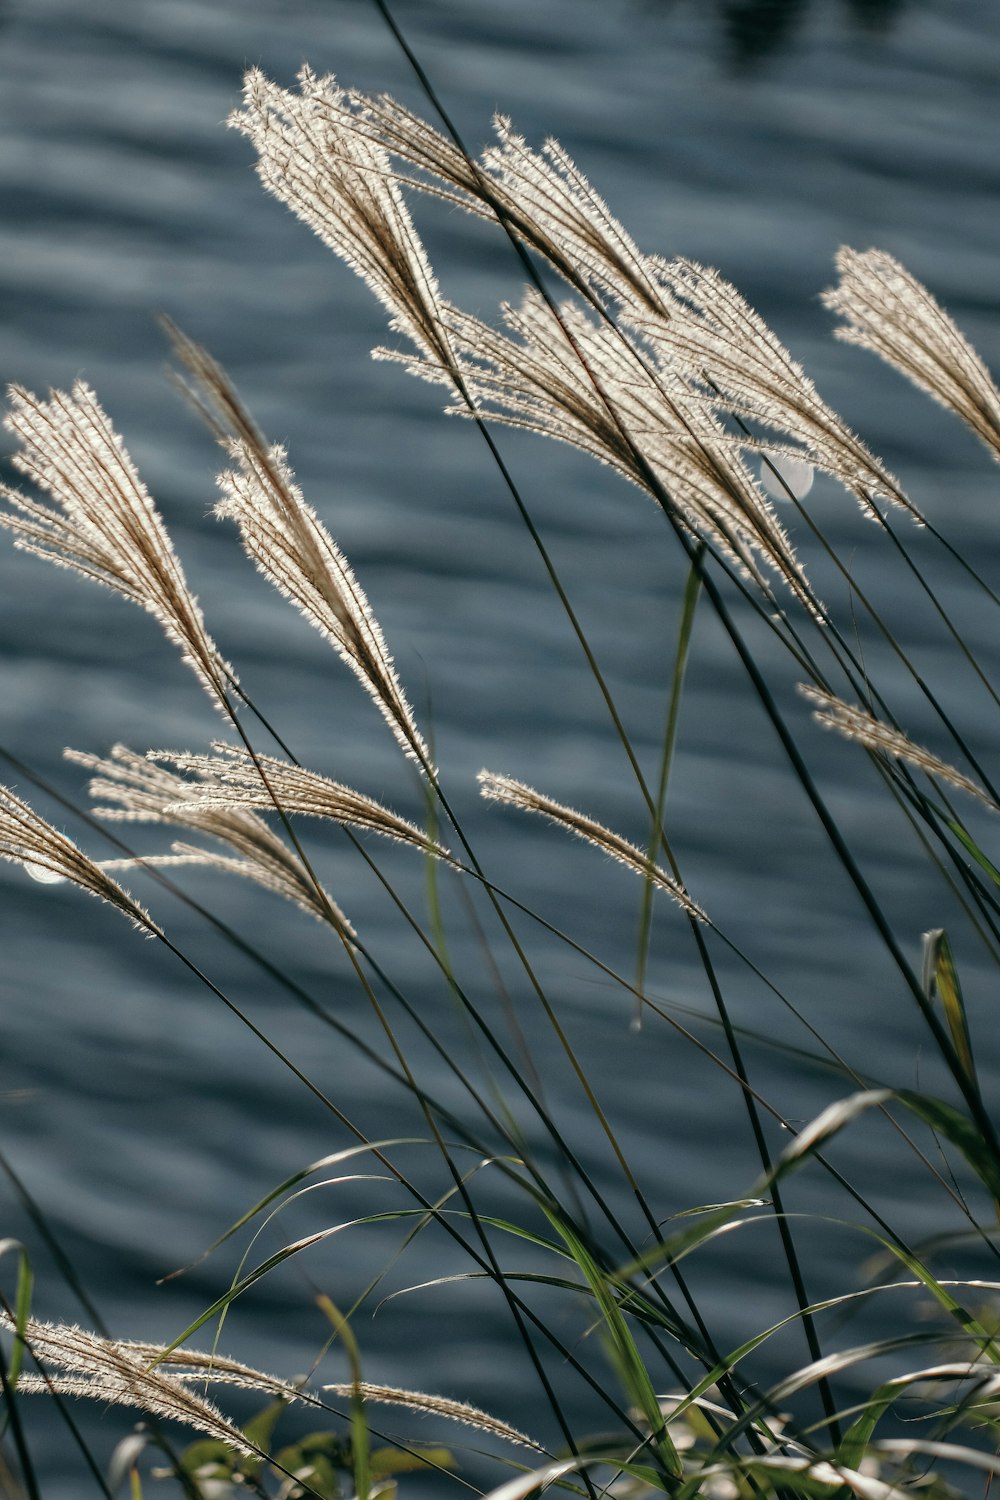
point(137, 1111)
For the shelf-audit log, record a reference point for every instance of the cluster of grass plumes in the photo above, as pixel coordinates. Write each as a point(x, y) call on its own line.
point(661, 371)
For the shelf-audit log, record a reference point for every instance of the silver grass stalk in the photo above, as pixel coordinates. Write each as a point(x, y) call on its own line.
point(136, 791)
point(858, 724)
point(103, 522)
point(441, 1406)
point(691, 319)
point(27, 839)
point(541, 379)
point(890, 312)
point(505, 789)
point(111, 1370)
point(231, 780)
point(721, 345)
point(290, 545)
point(583, 384)
point(292, 548)
point(338, 180)
point(117, 1372)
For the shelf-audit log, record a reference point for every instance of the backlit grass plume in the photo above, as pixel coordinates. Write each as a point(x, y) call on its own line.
point(103, 522)
point(131, 789)
point(27, 839)
point(858, 724)
point(496, 788)
point(887, 310)
point(77, 1363)
point(231, 780)
point(293, 549)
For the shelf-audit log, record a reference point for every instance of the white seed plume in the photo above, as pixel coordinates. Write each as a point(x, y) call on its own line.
point(858, 724)
point(553, 377)
point(498, 788)
point(574, 380)
point(441, 1406)
point(231, 780)
point(891, 313)
point(712, 335)
point(103, 522)
point(136, 791)
point(27, 839)
point(290, 546)
point(116, 1371)
point(690, 320)
point(338, 180)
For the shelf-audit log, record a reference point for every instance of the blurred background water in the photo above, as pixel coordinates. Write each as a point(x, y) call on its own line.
point(755, 137)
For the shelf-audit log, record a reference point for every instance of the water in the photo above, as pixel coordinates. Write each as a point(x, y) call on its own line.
point(140, 1115)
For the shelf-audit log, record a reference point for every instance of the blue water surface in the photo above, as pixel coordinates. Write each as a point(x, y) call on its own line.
point(140, 1114)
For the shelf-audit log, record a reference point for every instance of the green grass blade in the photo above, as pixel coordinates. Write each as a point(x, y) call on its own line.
point(941, 977)
point(690, 603)
point(627, 1359)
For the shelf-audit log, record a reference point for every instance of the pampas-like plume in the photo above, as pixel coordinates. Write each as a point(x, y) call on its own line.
point(144, 793)
point(104, 523)
point(858, 724)
point(441, 1406)
point(290, 545)
point(690, 320)
point(338, 180)
point(27, 839)
point(712, 335)
point(891, 313)
point(156, 1379)
point(583, 384)
point(552, 377)
point(292, 548)
point(116, 1371)
point(231, 780)
point(498, 788)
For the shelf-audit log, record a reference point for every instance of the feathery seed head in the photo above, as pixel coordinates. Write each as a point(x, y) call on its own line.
point(858, 724)
point(505, 789)
point(231, 780)
point(136, 790)
point(890, 312)
point(27, 839)
point(103, 522)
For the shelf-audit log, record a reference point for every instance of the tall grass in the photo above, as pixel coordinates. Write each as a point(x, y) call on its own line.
point(660, 370)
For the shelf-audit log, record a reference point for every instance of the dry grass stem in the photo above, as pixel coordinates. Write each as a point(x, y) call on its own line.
point(136, 791)
point(441, 1406)
point(27, 839)
point(891, 313)
point(231, 780)
point(104, 523)
point(858, 724)
point(517, 794)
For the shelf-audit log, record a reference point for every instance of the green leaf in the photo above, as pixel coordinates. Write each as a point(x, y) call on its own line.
point(626, 1356)
point(388, 1461)
point(260, 1429)
point(360, 1437)
point(22, 1305)
point(971, 847)
point(941, 977)
point(960, 1131)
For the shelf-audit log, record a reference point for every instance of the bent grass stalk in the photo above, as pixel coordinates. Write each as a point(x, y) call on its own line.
point(665, 374)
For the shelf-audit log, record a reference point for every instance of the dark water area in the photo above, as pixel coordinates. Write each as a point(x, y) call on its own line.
point(140, 1115)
